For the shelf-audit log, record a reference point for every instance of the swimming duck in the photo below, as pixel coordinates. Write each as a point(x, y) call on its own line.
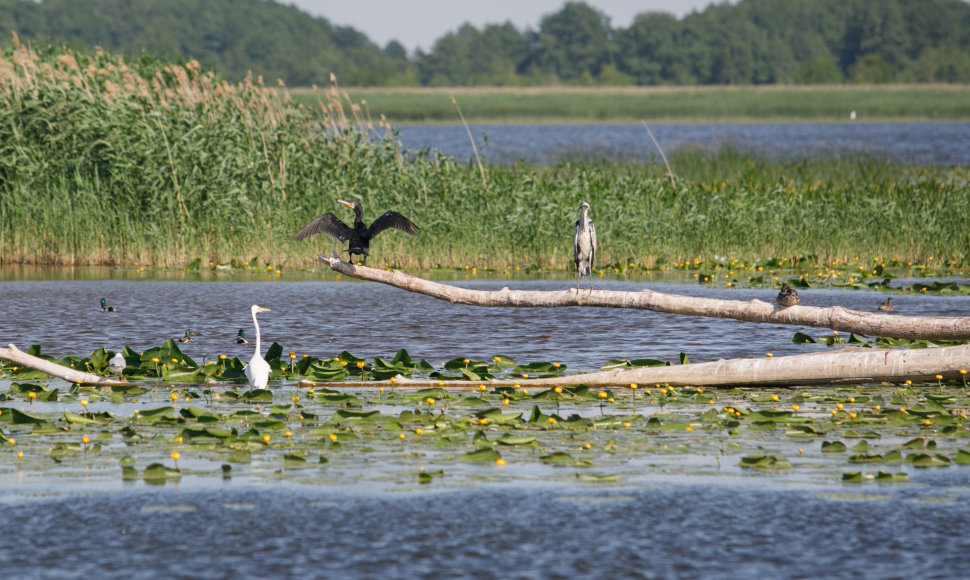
point(189, 333)
point(241, 337)
point(105, 308)
point(787, 296)
point(887, 306)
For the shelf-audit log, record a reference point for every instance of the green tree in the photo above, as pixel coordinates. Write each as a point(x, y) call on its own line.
point(818, 72)
point(575, 41)
point(646, 50)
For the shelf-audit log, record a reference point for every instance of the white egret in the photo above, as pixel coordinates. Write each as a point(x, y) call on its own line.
point(584, 246)
point(257, 371)
point(360, 235)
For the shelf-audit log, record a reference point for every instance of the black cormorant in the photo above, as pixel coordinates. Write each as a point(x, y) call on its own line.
point(360, 235)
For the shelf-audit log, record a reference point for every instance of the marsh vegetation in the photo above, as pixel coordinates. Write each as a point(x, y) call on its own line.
point(112, 162)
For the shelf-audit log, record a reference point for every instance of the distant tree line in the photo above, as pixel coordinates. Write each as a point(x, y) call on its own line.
point(750, 42)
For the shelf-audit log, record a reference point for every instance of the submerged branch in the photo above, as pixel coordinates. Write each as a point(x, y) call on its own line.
point(833, 317)
point(13, 354)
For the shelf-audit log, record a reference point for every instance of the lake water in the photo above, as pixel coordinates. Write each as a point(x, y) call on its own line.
point(652, 525)
point(940, 143)
point(662, 530)
point(324, 318)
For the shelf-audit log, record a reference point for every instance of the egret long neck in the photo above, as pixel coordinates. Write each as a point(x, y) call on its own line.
point(256, 324)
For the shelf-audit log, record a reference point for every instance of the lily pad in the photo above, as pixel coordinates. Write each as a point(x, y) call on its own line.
point(157, 471)
point(484, 455)
point(765, 463)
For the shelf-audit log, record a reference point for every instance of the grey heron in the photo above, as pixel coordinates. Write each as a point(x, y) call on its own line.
point(360, 235)
point(584, 246)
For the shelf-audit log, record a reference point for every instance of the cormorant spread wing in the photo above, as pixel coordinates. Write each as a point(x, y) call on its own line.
point(326, 224)
point(392, 219)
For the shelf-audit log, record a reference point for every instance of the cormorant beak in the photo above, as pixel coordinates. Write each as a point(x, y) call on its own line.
point(346, 203)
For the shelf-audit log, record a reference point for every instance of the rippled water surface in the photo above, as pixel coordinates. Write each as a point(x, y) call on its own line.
point(324, 318)
point(672, 529)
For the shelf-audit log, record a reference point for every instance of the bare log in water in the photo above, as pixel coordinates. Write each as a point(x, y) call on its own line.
point(845, 366)
point(13, 354)
point(833, 317)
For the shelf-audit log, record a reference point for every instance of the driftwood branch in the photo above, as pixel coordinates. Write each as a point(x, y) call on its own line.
point(833, 317)
point(13, 354)
point(846, 366)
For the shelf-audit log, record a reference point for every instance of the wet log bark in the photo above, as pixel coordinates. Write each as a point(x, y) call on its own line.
point(845, 366)
point(13, 354)
point(833, 317)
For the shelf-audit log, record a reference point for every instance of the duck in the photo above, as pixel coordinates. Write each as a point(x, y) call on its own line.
point(105, 308)
point(787, 296)
point(887, 306)
point(241, 337)
point(187, 337)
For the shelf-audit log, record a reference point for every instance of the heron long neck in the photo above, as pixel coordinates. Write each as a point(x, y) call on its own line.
point(585, 219)
point(256, 324)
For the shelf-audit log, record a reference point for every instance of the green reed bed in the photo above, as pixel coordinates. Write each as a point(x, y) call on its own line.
point(109, 162)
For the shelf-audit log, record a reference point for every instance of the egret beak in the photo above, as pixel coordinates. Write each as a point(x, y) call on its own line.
point(261, 309)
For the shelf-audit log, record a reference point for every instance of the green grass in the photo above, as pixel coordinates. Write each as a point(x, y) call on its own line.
point(107, 162)
point(774, 103)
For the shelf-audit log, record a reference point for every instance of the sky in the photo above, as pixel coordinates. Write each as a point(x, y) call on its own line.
point(419, 23)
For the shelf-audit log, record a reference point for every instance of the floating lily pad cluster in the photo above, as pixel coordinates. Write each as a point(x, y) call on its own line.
point(167, 362)
point(836, 339)
point(154, 433)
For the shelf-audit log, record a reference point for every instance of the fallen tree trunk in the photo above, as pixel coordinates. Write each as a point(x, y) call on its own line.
point(846, 366)
point(13, 354)
point(834, 317)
